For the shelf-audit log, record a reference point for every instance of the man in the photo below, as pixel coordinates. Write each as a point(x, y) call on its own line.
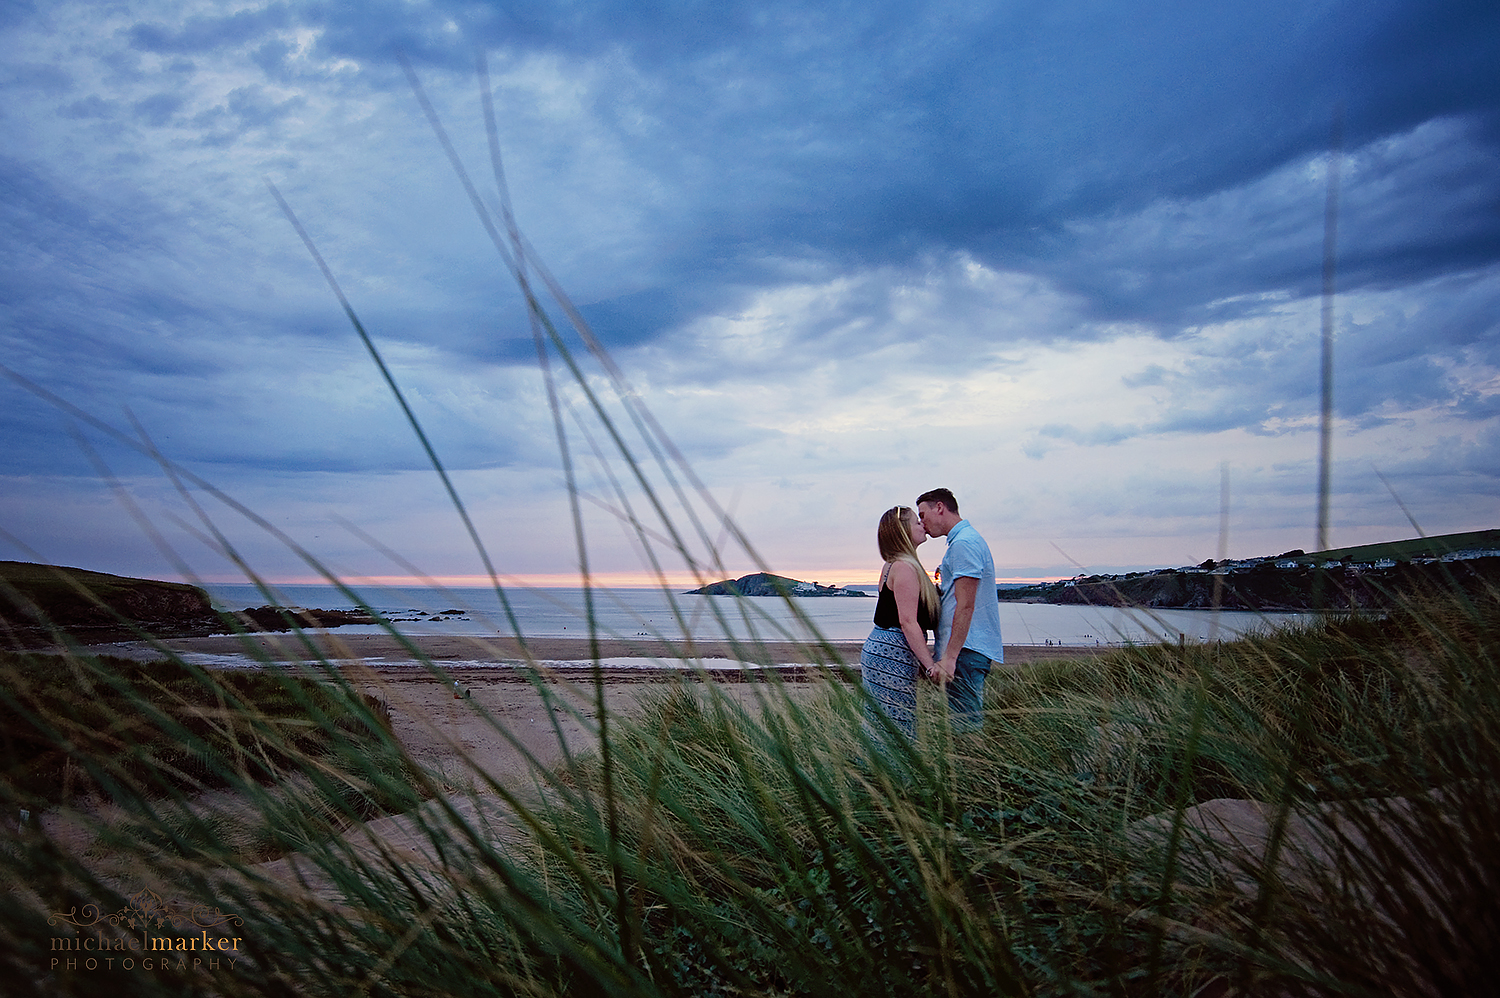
point(968, 632)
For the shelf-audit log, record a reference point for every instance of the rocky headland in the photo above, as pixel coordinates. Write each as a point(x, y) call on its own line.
point(1368, 577)
point(37, 601)
point(766, 584)
point(40, 602)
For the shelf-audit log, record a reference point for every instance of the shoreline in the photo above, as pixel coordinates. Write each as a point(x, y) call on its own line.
point(482, 655)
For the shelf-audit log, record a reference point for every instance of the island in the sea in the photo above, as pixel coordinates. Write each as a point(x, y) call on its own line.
point(766, 584)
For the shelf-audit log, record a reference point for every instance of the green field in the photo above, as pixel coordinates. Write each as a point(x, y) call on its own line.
point(1417, 547)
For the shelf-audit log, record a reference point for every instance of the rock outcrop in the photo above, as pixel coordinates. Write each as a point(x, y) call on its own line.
point(283, 618)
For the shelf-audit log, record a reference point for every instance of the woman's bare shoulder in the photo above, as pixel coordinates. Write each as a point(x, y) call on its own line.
point(901, 571)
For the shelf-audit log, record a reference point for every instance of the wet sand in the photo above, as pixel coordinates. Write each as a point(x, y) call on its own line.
point(552, 651)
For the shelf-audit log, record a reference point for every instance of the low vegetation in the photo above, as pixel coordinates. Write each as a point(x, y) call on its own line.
point(796, 857)
point(798, 849)
point(118, 737)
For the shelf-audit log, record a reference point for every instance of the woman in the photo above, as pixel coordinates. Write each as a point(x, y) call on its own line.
point(906, 610)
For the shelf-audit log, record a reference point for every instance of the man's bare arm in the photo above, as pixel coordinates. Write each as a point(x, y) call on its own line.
point(965, 589)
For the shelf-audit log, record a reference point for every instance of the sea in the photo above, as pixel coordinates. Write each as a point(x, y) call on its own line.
point(641, 612)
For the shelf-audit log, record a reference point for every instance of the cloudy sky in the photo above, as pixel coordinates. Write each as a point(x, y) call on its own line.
point(1064, 258)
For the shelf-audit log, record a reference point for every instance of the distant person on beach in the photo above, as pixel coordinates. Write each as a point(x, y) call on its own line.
point(968, 631)
point(906, 610)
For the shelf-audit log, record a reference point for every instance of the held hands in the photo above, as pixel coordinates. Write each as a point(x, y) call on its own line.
point(943, 671)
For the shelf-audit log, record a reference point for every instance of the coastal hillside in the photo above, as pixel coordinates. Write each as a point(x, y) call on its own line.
point(766, 584)
point(1369, 576)
point(34, 599)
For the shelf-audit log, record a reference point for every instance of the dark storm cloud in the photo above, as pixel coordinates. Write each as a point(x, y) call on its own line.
point(863, 134)
point(92, 106)
point(157, 109)
point(632, 318)
point(951, 122)
point(838, 134)
point(204, 34)
point(761, 197)
point(246, 108)
point(92, 313)
point(63, 263)
point(1411, 207)
point(40, 76)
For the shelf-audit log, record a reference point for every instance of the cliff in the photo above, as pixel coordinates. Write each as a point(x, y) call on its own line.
point(95, 607)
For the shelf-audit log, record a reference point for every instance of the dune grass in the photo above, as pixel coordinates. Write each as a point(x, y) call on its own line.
point(789, 848)
point(788, 855)
point(165, 727)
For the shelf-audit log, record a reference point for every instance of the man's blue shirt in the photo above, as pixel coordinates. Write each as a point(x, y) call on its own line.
point(968, 556)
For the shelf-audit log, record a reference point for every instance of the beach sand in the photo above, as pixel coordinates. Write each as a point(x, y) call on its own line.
point(511, 726)
point(551, 721)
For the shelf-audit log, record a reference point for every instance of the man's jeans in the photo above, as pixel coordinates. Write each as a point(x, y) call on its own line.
point(966, 691)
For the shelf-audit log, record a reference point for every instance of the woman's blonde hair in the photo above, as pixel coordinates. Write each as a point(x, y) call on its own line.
point(893, 537)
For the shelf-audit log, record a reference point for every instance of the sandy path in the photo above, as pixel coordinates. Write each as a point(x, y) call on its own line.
point(500, 720)
point(502, 733)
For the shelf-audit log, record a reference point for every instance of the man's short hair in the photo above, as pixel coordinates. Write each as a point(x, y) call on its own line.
point(940, 495)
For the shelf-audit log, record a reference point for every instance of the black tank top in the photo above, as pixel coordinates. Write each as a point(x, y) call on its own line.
point(886, 614)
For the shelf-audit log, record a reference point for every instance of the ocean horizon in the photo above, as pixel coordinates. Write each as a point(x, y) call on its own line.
point(641, 612)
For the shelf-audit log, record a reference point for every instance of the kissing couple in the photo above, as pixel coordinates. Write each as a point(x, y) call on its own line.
point(964, 613)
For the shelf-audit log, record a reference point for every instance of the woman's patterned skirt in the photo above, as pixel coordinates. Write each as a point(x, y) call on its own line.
point(889, 672)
